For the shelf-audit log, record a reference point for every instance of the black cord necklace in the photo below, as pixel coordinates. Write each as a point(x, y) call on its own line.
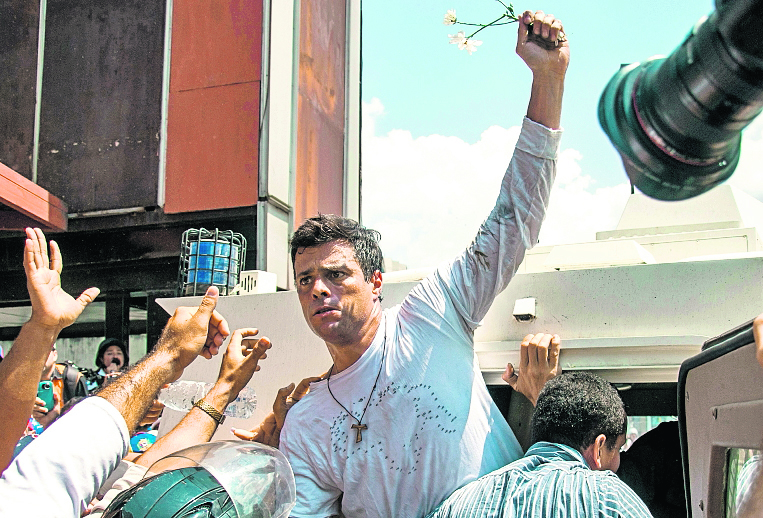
point(359, 426)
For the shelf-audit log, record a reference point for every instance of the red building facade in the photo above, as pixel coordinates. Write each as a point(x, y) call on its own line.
point(123, 123)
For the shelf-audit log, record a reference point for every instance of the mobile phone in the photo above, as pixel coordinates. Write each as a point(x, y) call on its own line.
point(45, 392)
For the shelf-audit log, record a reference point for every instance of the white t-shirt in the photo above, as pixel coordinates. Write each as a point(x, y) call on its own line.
point(431, 424)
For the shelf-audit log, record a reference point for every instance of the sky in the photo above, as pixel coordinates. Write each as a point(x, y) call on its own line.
point(439, 125)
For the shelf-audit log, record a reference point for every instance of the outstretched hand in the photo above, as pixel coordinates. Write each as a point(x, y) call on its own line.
point(52, 307)
point(241, 359)
point(553, 57)
point(269, 430)
point(538, 363)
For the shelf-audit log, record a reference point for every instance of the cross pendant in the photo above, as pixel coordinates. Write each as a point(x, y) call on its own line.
point(358, 431)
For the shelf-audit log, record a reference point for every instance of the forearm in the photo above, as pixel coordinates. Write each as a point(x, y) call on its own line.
point(133, 393)
point(19, 375)
point(195, 428)
point(545, 105)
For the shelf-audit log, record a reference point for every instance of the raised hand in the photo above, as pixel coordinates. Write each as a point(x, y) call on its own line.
point(538, 363)
point(241, 360)
point(195, 331)
point(553, 57)
point(52, 307)
point(548, 64)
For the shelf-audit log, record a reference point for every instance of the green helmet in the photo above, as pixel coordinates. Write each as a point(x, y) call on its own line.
point(187, 492)
point(226, 479)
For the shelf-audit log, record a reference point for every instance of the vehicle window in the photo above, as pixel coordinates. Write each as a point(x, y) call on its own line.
point(740, 464)
point(638, 425)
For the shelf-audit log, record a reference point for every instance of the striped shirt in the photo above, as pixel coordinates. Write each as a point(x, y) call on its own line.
point(550, 481)
point(746, 480)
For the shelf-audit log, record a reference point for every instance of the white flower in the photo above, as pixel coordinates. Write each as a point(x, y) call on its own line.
point(463, 42)
point(469, 45)
point(459, 39)
point(450, 17)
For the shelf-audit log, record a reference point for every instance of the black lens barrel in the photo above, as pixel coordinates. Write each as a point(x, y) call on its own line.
point(677, 121)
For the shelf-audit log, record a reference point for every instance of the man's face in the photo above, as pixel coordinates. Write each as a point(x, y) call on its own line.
point(336, 300)
point(610, 459)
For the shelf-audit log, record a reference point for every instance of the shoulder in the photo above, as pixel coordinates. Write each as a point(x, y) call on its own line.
point(305, 417)
point(430, 298)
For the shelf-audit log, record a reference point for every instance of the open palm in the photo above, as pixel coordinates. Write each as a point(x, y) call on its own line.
point(51, 305)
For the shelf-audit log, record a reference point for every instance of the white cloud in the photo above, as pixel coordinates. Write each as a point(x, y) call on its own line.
point(576, 211)
point(428, 195)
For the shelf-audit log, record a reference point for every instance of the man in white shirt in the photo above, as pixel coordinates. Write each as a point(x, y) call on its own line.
point(403, 417)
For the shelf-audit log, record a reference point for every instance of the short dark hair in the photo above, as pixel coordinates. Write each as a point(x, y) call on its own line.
point(576, 407)
point(325, 228)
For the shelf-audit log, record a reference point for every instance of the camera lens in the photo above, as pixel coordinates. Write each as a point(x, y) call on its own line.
point(677, 121)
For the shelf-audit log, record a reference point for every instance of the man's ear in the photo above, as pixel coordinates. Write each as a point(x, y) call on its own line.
point(592, 454)
point(376, 280)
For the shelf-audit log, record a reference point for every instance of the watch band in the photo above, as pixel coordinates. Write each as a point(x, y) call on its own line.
point(210, 410)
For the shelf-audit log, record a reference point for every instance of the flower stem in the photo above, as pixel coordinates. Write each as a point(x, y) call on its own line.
point(509, 9)
point(483, 25)
point(504, 15)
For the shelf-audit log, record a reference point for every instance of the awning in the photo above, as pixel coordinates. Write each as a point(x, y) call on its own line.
point(28, 204)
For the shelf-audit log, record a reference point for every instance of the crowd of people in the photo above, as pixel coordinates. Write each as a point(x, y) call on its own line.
point(400, 425)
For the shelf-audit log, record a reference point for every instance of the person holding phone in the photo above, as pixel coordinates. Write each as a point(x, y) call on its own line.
point(45, 394)
point(47, 404)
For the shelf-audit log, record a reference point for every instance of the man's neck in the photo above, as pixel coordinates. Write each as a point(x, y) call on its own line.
point(345, 355)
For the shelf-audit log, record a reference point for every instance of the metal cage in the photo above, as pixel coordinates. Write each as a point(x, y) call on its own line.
point(210, 257)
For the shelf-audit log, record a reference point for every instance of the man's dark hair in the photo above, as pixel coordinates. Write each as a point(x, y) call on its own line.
point(576, 407)
point(325, 228)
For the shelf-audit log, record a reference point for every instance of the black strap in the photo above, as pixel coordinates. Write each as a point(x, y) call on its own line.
point(74, 382)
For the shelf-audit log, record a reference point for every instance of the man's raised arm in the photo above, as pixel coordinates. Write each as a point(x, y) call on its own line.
point(548, 66)
point(189, 333)
point(52, 310)
point(477, 276)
